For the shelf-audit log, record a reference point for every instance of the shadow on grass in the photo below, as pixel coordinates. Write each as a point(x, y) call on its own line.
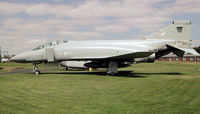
point(130, 73)
point(119, 74)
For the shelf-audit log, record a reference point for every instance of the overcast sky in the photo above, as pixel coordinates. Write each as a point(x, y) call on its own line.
point(24, 24)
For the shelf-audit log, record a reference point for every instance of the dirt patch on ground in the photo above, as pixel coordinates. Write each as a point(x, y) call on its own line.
point(183, 77)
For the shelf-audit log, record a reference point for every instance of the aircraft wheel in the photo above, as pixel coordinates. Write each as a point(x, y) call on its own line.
point(37, 72)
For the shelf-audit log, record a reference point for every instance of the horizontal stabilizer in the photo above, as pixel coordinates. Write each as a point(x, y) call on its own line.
point(191, 51)
point(181, 51)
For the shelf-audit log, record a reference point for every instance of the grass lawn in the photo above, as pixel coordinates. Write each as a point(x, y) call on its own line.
point(140, 88)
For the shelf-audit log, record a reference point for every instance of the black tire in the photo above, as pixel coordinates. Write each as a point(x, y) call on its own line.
point(37, 72)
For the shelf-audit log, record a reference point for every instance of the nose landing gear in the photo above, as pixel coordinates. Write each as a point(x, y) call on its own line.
point(35, 68)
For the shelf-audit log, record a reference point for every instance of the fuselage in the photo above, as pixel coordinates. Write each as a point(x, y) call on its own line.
point(94, 50)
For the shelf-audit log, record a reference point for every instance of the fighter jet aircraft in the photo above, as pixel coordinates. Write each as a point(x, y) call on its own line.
point(113, 54)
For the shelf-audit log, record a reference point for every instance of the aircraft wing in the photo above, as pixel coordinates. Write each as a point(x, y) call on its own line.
point(127, 56)
point(132, 55)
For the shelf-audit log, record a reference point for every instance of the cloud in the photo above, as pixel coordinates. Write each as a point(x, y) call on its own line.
point(48, 9)
point(8, 8)
point(57, 0)
point(18, 35)
point(113, 28)
point(33, 23)
point(17, 44)
point(146, 24)
point(89, 9)
point(100, 9)
point(80, 35)
point(183, 7)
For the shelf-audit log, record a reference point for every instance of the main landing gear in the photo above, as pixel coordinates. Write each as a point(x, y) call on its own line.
point(35, 68)
point(112, 68)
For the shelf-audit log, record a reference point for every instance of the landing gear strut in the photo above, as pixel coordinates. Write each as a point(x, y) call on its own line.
point(66, 69)
point(112, 68)
point(35, 68)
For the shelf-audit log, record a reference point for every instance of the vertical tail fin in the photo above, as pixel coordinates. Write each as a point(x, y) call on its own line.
point(178, 30)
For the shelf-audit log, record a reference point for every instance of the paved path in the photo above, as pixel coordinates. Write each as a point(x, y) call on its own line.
point(26, 71)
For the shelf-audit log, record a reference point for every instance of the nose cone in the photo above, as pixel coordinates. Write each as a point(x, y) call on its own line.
point(19, 58)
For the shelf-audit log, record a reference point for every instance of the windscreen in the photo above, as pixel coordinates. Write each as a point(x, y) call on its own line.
point(37, 48)
point(49, 44)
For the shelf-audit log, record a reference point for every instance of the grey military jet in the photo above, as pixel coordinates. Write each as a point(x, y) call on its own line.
point(113, 54)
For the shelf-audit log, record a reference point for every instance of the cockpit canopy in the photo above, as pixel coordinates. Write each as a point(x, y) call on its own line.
point(49, 44)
